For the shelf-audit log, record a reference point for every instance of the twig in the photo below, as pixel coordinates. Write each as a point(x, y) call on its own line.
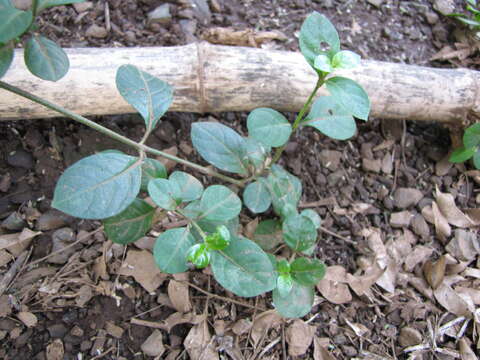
point(99, 356)
point(325, 230)
point(284, 347)
point(269, 346)
point(150, 324)
point(10, 274)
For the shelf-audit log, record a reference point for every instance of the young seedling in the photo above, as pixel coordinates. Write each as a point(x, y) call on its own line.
point(472, 19)
point(470, 148)
point(111, 185)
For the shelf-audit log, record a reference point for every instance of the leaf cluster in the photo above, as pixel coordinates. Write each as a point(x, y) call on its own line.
point(470, 148)
point(472, 19)
point(43, 57)
point(112, 186)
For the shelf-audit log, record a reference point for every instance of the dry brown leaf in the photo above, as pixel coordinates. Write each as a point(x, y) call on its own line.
point(375, 243)
point(241, 326)
point(443, 166)
point(421, 285)
point(419, 254)
point(198, 343)
point(84, 295)
point(358, 329)
point(361, 284)
point(466, 351)
point(5, 257)
point(248, 37)
point(452, 301)
point(474, 215)
point(179, 318)
point(18, 242)
point(100, 268)
point(442, 226)
point(5, 306)
point(446, 204)
point(388, 279)
point(333, 285)
point(434, 272)
point(464, 246)
point(262, 323)
point(141, 265)
point(474, 294)
point(55, 350)
point(28, 318)
point(471, 272)
point(320, 349)
point(299, 337)
point(475, 174)
point(179, 295)
point(153, 346)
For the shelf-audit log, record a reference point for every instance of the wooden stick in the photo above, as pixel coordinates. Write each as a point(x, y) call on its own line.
point(213, 78)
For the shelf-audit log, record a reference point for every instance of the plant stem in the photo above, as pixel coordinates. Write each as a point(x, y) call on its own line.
point(114, 135)
point(34, 15)
point(301, 114)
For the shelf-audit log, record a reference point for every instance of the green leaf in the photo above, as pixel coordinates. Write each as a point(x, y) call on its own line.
point(462, 154)
point(220, 146)
point(269, 127)
point(6, 58)
point(199, 256)
point(299, 232)
point(150, 96)
point(257, 197)
point(171, 249)
point(152, 169)
point(283, 266)
point(13, 22)
point(284, 284)
point(256, 153)
point(164, 193)
point(471, 137)
point(131, 224)
point(219, 203)
point(312, 215)
point(268, 234)
point(43, 4)
point(315, 31)
point(45, 59)
point(243, 268)
point(285, 190)
point(188, 186)
point(297, 303)
point(218, 240)
point(331, 119)
point(211, 227)
point(323, 63)
point(307, 271)
point(476, 159)
point(350, 95)
point(99, 186)
point(346, 59)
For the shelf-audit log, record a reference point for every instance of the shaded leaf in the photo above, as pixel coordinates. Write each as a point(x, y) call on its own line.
point(6, 58)
point(257, 197)
point(243, 268)
point(471, 137)
point(312, 215)
point(435, 272)
point(462, 154)
point(150, 96)
point(256, 153)
point(152, 169)
point(268, 234)
point(219, 203)
point(171, 248)
point(307, 271)
point(45, 59)
point(13, 22)
point(299, 232)
point(131, 224)
point(164, 193)
point(350, 95)
point(220, 146)
point(269, 127)
point(43, 4)
point(98, 186)
point(297, 303)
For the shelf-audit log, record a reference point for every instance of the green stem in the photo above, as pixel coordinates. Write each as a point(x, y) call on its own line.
point(114, 135)
point(301, 114)
point(34, 15)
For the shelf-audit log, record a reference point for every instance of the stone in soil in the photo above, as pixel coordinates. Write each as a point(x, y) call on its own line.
point(406, 197)
point(409, 337)
point(62, 238)
point(51, 220)
point(160, 15)
point(96, 31)
point(330, 159)
point(21, 159)
point(57, 330)
point(400, 219)
point(13, 222)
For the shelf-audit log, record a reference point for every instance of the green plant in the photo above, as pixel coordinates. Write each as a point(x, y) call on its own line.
point(473, 18)
point(43, 57)
point(470, 148)
point(107, 185)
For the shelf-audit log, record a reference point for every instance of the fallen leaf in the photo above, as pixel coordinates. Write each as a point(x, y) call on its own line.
point(299, 337)
point(442, 227)
point(141, 265)
point(418, 255)
point(198, 343)
point(250, 228)
point(361, 284)
point(474, 215)
point(179, 295)
point(450, 300)
point(55, 350)
point(464, 246)
point(443, 166)
point(114, 330)
point(421, 285)
point(84, 295)
point(446, 204)
point(474, 294)
point(248, 37)
point(264, 322)
point(466, 351)
point(333, 286)
point(27, 318)
point(18, 242)
point(358, 329)
point(5, 306)
point(153, 346)
point(434, 272)
point(241, 326)
point(320, 349)
point(388, 279)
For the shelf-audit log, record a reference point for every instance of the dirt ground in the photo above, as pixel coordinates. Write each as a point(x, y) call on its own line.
point(387, 198)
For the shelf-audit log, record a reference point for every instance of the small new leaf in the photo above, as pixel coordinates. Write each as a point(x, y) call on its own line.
point(345, 59)
point(219, 240)
point(199, 256)
point(307, 271)
point(171, 248)
point(45, 59)
point(283, 267)
point(350, 95)
point(152, 169)
point(323, 63)
point(269, 127)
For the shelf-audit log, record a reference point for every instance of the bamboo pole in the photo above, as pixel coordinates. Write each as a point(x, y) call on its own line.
point(213, 78)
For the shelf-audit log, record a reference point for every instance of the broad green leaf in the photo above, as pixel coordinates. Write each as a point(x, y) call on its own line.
point(471, 137)
point(316, 31)
point(285, 190)
point(299, 232)
point(220, 146)
point(219, 203)
point(345, 59)
point(211, 227)
point(45, 59)
point(297, 303)
point(243, 268)
point(199, 256)
point(164, 193)
point(331, 119)
point(312, 215)
point(283, 266)
point(462, 154)
point(171, 249)
point(99, 186)
point(150, 96)
point(131, 224)
point(152, 169)
point(13, 22)
point(268, 234)
point(307, 271)
point(350, 95)
point(257, 197)
point(189, 187)
point(6, 57)
point(284, 284)
point(193, 210)
point(323, 63)
point(43, 4)
point(269, 127)
point(256, 153)
point(476, 159)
